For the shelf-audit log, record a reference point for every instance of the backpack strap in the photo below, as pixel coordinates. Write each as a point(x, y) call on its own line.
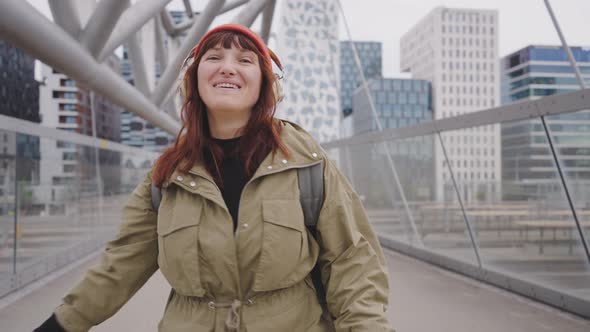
point(156, 197)
point(311, 188)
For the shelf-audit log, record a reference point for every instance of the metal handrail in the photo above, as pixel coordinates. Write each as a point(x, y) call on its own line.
point(525, 110)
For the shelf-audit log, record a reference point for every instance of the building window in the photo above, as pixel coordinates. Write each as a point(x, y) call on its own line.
point(67, 82)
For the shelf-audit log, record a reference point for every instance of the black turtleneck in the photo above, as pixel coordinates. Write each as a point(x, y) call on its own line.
point(233, 176)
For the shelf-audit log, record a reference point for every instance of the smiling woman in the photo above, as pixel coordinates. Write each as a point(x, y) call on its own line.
point(229, 232)
point(229, 82)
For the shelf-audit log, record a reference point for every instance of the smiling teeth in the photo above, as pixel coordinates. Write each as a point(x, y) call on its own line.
point(226, 85)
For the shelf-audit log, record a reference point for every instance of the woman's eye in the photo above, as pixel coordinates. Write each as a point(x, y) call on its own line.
point(246, 60)
point(213, 57)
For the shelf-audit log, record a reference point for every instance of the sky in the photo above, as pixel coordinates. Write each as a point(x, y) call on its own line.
point(521, 22)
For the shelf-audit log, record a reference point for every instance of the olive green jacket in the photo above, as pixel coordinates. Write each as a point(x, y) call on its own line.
point(255, 279)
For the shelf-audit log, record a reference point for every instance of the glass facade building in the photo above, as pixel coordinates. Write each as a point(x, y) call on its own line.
point(19, 95)
point(370, 57)
point(532, 73)
point(19, 91)
point(398, 102)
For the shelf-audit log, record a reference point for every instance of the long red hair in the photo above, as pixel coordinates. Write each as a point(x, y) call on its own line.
point(194, 143)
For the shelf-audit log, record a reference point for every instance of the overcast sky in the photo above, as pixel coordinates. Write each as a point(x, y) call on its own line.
point(521, 22)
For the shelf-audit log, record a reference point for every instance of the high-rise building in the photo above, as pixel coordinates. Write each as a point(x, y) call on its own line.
point(398, 103)
point(370, 57)
point(19, 95)
point(67, 105)
point(457, 50)
point(308, 48)
point(19, 91)
point(527, 163)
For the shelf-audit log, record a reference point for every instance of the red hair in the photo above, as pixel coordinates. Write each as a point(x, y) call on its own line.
point(194, 143)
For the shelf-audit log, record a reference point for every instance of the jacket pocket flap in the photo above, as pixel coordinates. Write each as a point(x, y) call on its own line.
point(284, 212)
point(185, 211)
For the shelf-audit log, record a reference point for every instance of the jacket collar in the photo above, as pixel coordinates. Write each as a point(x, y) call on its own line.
point(303, 149)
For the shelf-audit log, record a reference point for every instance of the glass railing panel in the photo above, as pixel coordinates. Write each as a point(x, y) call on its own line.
point(367, 169)
point(57, 196)
point(410, 169)
point(7, 201)
point(570, 134)
point(519, 219)
point(59, 200)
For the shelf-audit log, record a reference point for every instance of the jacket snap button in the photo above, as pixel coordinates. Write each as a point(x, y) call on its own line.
point(284, 161)
point(245, 225)
point(193, 183)
point(314, 155)
point(269, 167)
point(179, 178)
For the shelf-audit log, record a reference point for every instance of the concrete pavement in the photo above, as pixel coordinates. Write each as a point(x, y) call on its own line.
point(423, 298)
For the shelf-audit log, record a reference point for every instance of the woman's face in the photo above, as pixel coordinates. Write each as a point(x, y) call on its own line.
point(229, 79)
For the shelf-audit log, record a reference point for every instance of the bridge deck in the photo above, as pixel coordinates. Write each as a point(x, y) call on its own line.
point(423, 298)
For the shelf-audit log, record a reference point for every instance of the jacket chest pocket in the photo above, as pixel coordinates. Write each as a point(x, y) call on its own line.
point(284, 246)
point(179, 221)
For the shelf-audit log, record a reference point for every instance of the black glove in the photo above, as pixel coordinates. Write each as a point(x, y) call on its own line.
point(50, 325)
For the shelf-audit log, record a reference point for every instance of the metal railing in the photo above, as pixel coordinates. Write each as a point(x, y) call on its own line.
point(61, 195)
point(527, 235)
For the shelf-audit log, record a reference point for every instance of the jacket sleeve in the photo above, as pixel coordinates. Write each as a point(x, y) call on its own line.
point(351, 260)
point(126, 264)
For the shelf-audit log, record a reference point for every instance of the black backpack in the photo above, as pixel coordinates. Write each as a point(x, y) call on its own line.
point(311, 188)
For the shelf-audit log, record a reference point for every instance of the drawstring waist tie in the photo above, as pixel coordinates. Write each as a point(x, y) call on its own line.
point(232, 321)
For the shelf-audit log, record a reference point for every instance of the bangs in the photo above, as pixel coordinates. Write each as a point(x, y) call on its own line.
point(227, 39)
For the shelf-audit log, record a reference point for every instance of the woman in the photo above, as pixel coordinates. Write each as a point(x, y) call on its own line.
point(229, 234)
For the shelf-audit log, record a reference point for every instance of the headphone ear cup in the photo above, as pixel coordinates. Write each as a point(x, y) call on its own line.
point(277, 87)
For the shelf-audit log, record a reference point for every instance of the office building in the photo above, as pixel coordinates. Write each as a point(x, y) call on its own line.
point(398, 103)
point(457, 50)
point(67, 105)
point(19, 91)
point(370, 58)
point(528, 167)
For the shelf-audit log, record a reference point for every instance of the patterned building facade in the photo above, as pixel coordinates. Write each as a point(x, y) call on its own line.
point(309, 51)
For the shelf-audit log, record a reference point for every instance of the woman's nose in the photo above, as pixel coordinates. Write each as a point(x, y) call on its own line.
point(227, 68)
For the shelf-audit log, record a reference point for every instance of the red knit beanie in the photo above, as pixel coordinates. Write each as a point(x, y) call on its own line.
point(266, 53)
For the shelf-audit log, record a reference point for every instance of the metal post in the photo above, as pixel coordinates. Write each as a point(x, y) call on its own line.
point(16, 208)
point(161, 52)
point(131, 21)
point(379, 128)
point(189, 8)
point(566, 47)
point(267, 16)
point(248, 15)
point(66, 16)
point(99, 182)
point(135, 52)
point(465, 218)
point(101, 24)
